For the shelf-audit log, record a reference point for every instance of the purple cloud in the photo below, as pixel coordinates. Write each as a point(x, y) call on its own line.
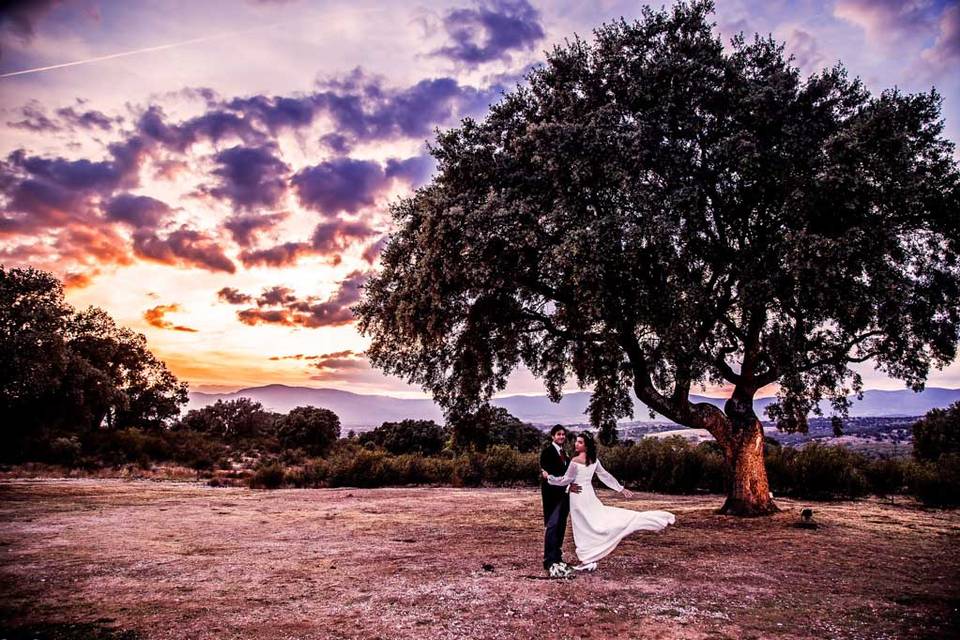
point(215, 126)
point(945, 51)
point(250, 176)
point(335, 236)
point(243, 228)
point(183, 247)
point(34, 119)
point(372, 252)
point(19, 17)
point(277, 256)
point(341, 184)
point(886, 20)
point(233, 296)
point(311, 312)
point(276, 113)
point(137, 211)
point(490, 31)
point(90, 119)
point(415, 171)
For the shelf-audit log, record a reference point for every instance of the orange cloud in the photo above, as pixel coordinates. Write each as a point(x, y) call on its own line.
point(155, 317)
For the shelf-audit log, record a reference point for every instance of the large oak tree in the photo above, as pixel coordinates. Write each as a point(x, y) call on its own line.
point(653, 213)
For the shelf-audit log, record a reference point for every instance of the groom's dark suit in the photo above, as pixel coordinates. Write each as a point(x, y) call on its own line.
point(556, 505)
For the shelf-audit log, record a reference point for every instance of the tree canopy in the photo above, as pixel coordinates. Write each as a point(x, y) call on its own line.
point(651, 212)
point(73, 370)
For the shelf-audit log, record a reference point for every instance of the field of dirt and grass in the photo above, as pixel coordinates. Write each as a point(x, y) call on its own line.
point(131, 560)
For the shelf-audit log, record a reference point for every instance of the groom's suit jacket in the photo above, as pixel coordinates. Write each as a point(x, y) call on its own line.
point(552, 463)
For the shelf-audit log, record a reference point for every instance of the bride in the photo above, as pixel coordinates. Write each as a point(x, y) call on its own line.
point(598, 529)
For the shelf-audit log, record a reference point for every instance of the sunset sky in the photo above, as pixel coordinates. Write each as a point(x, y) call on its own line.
point(216, 174)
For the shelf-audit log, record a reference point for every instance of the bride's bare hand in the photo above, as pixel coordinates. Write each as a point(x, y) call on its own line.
point(627, 493)
point(544, 474)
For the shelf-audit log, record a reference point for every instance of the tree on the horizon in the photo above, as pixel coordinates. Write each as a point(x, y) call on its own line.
point(68, 371)
point(313, 429)
point(232, 420)
point(424, 437)
point(937, 434)
point(654, 213)
point(489, 426)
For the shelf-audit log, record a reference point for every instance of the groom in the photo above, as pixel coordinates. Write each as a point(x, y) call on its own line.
point(556, 500)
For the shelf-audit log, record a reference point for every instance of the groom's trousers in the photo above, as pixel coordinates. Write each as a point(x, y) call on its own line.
point(556, 527)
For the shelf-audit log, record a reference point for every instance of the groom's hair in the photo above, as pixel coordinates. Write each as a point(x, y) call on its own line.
point(557, 427)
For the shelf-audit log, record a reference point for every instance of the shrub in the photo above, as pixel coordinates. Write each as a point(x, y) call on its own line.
point(269, 475)
point(936, 483)
point(886, 476)
point(822, 471)
point(505, 465)
point(467, 470)
point(65, 451)
point(362, 468)
point(314, 473)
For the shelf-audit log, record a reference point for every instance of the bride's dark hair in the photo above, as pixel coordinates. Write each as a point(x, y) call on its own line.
point(591, 446)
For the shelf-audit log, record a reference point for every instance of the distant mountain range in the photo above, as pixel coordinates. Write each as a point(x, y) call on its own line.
point(358, 410)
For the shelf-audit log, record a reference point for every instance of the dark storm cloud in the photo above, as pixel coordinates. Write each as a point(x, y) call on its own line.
point(250, 176)
point(490, 31)
point(243, 228)
point(137, 211)
point(183, 247)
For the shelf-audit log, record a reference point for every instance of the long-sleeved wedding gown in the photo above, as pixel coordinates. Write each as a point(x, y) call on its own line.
point(597, 528)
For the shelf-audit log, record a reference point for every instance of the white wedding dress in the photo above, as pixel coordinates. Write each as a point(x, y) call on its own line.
point(598, 529)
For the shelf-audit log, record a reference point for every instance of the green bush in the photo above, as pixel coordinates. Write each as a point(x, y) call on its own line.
point(886, 476)
point(312, 474)
point(936, 484)
point(821, 472)
point(270, 475)
point(503, 465)
point(362, 468)
point(65, 451)
point(669, 465)
point(467, 470)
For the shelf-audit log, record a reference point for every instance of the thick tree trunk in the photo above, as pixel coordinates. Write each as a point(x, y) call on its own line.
point(749, 490)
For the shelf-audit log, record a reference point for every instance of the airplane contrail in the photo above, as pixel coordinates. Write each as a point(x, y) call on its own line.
point(137, 51)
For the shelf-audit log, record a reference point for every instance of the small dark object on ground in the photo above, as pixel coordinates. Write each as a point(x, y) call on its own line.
point(488, 567)
point(806, 519)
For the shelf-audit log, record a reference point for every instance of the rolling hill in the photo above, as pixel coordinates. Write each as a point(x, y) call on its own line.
point(359, 410)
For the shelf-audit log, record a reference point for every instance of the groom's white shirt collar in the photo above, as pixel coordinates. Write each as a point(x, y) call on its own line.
point(557, 447)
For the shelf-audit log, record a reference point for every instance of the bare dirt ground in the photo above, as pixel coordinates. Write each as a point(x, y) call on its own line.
point(162, 560)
